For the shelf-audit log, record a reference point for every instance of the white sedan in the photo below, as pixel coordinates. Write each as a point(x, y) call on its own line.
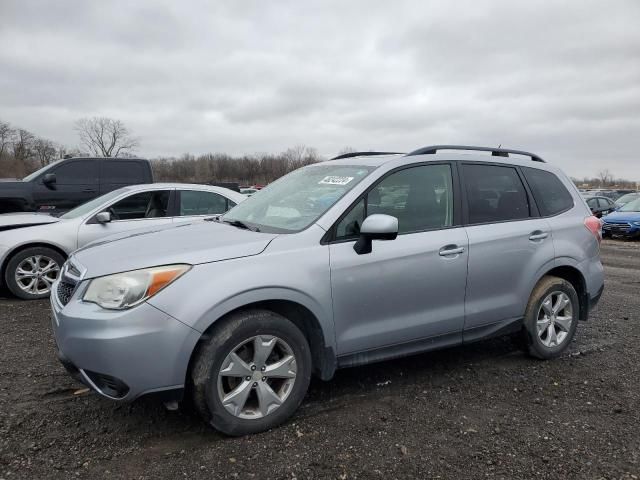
point(34, 246)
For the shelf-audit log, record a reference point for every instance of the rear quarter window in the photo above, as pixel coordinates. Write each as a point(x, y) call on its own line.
point(551, 196)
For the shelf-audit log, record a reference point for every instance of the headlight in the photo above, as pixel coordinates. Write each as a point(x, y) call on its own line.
point(636, 224)
point(128, 289)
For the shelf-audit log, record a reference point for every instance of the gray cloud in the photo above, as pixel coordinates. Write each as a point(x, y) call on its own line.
point(558, 78)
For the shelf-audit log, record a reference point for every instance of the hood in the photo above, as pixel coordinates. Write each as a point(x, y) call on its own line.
point(192, 243)
point(11, 185)
point(11, 221)
point(622, 217)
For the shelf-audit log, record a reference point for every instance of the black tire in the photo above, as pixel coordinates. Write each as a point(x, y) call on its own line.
point(532, 341)
point(212, 352)
point(14, 262)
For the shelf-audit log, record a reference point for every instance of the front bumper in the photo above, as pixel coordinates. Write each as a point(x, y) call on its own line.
point(122, 355)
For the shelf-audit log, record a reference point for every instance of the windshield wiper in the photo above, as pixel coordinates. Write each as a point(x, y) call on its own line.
point(240, 224)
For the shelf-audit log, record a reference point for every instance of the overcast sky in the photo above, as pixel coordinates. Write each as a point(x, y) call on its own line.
point(559, 78)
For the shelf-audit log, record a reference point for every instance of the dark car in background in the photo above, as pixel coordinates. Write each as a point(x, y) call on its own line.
point(65, 184)
point(600, 205)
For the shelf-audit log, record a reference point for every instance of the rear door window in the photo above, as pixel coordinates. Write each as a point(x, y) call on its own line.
point(122, 172)
point(201, 203)
point(494, 194)
point(552, 197)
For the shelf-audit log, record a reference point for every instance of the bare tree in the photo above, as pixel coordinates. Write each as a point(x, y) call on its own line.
point(106, 137)
point(605, 177)
point(45, 151)
point(6, 137)
point(22, 144)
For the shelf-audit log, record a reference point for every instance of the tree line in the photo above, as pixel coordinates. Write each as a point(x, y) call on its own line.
point(22, 152)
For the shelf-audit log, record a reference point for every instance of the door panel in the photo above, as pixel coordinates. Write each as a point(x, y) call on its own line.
point(76, 183)
point(503, 260)
point(403, 291)
point(408, 289)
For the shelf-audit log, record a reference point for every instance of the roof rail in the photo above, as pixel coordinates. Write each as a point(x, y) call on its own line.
point(364, 154)
point(495, 152)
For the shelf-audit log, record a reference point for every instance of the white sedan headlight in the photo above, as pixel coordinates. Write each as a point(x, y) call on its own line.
point(128, 289)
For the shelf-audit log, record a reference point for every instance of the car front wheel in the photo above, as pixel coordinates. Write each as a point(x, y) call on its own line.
point(30, 273)
point(252, 372)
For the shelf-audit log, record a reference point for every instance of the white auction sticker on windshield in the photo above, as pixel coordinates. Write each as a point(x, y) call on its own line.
point(332, 180)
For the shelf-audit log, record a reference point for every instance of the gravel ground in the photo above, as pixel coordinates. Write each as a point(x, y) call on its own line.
point(484, 411)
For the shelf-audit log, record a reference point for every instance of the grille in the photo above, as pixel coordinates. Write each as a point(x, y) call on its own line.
point(65, 290)
point(617, 227)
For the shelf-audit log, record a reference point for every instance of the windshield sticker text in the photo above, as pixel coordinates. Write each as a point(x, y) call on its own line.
point(333, 180)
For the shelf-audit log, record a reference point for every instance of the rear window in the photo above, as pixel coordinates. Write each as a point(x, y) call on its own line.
point(122, 171)
point(551, 196)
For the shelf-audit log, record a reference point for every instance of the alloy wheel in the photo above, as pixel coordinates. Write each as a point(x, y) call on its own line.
point(35, 274)
point(257, 377)
point(554, 320)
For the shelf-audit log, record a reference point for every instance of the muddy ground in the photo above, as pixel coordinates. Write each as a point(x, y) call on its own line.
point(484, 411)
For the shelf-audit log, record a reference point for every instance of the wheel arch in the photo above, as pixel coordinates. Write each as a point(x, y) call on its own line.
point(19, 248)
point(575, 277)
point(322, 354)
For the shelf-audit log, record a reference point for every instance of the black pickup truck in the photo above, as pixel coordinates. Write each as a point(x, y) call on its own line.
point(65, 184)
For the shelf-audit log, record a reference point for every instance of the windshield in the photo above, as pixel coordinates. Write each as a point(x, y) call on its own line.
point(627, 198)
point(298, 199)
point(633, 206)
point(39, 172)
point(90, 205)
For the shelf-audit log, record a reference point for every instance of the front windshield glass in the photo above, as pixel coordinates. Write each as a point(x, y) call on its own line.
point(633, 206)
point(627, 198)
point(91, 204)
point(39, 172)
point(298, 199)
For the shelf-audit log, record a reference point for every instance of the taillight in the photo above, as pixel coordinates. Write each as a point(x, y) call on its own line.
point(594, 225)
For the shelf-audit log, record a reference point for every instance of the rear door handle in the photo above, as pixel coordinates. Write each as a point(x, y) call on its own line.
point(538, 235)
point(88, 190)
point(450, 250)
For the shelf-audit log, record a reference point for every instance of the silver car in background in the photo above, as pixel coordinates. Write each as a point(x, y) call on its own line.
point(33, 246)
point(340, 263)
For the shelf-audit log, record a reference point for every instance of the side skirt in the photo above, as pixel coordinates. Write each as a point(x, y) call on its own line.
point(497, 329)
point(390, 352)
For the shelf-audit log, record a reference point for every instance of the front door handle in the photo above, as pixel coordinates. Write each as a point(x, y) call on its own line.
point(88, 190)
point(538, 235)
point(448, 250)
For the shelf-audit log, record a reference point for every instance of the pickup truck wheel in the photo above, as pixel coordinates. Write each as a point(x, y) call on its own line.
point(251, 373)
point(551, 318)
point(30, 273)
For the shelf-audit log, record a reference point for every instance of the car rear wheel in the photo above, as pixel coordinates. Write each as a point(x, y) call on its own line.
point(252, 372)
point(551, 318)
point(30, 273)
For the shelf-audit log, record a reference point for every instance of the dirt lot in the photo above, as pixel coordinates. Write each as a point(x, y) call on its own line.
point(482, 411)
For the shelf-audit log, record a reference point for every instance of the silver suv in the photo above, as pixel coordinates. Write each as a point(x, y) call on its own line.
point(351, 261)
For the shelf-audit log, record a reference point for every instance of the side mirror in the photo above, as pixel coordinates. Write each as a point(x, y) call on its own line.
point(49, 179)
point(103, 217)
point(376, 227)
